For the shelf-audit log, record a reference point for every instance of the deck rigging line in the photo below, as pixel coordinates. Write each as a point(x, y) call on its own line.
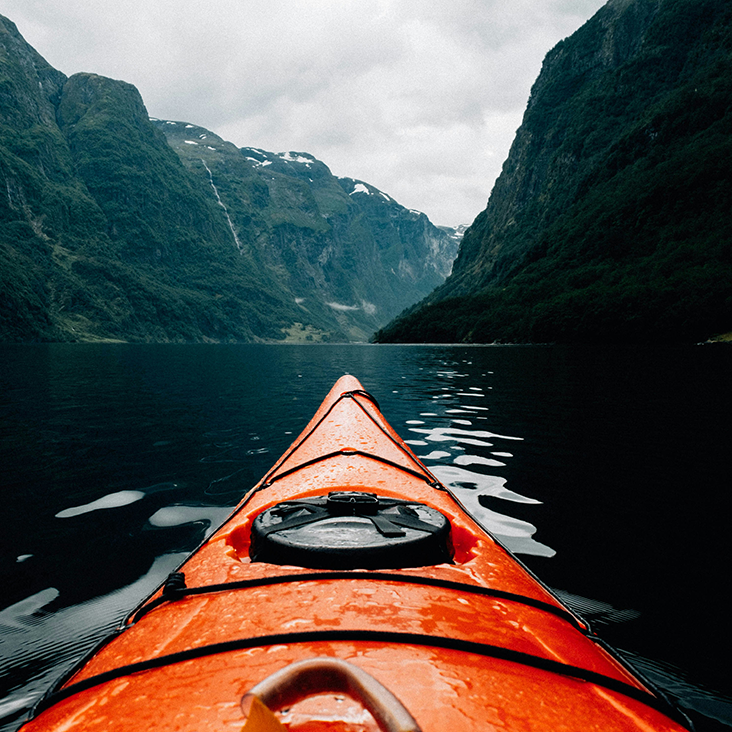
point(420, 471)
point(368, 636)
point(178, 592)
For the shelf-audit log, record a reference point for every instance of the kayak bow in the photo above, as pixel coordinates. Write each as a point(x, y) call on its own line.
point(350, 591)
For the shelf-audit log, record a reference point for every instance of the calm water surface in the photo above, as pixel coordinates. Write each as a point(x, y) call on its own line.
point(606, 470)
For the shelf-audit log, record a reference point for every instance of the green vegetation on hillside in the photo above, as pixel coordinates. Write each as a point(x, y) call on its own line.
point(116, 227)
point(347, 252)
point(627, 236)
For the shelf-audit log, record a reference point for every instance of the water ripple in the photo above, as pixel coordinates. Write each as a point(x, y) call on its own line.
point(111, 500)
point(38, 645)
point(472, 488)
point(467, 488)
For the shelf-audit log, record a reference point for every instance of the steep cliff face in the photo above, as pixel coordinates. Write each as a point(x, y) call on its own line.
point(546, 164)
point(103, 234)
point(30, 86)
point(40, 198)
point(146, 196)
point(113, 226)
point(610, 220)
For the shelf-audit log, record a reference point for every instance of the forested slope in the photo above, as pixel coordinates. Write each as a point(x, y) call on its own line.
point(612, 218)
point(114, 226)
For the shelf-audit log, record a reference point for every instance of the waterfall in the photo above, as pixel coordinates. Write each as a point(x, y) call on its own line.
point(223, 205)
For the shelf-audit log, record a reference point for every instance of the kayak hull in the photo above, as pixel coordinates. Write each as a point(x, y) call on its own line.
point(472, 643)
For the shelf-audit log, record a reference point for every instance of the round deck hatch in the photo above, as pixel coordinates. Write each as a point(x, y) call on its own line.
point(351, 530)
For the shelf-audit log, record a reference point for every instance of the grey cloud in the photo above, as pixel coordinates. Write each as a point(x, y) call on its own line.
point(419, 97)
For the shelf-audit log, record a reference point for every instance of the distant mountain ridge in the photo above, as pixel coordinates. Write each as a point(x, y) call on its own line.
point(612, 218)
point(117, 227)
point(339, 244)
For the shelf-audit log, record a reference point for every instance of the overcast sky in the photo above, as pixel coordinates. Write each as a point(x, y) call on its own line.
point(420, 98)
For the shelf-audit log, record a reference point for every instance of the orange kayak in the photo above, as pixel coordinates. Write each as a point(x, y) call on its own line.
point(350, 591)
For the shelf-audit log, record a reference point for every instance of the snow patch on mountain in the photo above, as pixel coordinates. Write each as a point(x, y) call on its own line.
point(368, 307)
point(360, 187)
point(341, 307)
point(290, 157)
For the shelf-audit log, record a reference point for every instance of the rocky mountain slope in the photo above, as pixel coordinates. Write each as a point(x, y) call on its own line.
point(342, 247)
point(115, 226)
point(612, 218)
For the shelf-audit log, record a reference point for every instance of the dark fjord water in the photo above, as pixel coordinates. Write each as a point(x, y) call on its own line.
point(607, 470)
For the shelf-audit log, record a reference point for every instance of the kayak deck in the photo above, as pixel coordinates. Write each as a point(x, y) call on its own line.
point(472, 643)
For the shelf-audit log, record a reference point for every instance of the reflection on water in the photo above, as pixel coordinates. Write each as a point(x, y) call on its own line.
point(181, 515)
point(119, 459)
point(112, 500)
point(469, 488)
point(40, 643)
point(41, 637)
point(706, 701)
point(471, 445)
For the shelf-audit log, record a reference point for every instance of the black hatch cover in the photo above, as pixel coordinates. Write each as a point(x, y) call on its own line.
point(351, 530)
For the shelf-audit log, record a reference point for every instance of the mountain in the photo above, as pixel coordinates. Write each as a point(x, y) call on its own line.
point(114, 226)
point(343, 248)
point(612, 218)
